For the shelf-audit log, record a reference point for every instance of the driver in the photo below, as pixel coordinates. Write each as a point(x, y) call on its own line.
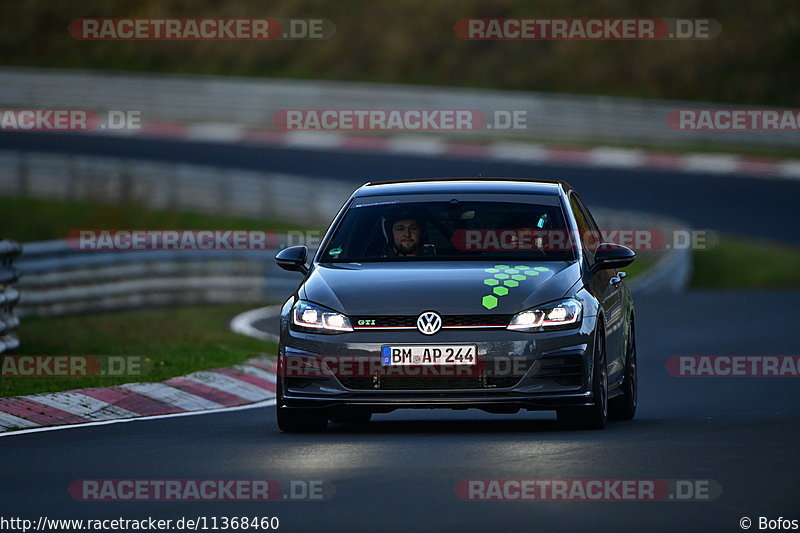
point(406, 237)
point(404, 234)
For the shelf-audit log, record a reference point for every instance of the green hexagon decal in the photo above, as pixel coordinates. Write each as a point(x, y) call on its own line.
point(500, 291)
point(510, 276)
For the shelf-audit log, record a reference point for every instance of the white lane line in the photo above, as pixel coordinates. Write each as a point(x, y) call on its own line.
point(517, 151)
point(416, 145)
point(314, 139)
point(172, 396)
point(265, 403)
point(255, 371)
point(8, 421)
point(716, 163)
point(243, 322)
point(231, 385)
point(789, 168)
point(81, 405)
point(616, 157)
point(212, 131)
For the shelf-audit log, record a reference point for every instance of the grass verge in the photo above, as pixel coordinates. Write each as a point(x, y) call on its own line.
point(176, 342)
point(738, 262)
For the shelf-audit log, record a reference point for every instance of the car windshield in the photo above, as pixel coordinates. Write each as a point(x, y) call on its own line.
point(454, 229)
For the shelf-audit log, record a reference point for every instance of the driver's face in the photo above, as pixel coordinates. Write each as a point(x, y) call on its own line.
point(406, 236)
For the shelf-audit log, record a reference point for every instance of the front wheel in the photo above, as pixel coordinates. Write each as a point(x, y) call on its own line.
point(297, 420)
point(300, 420)
point(623, 407)
point(594, 416)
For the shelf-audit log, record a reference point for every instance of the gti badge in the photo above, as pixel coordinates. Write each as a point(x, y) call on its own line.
point(429, 323)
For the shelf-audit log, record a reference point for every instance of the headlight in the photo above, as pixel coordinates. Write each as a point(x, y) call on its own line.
point(563, 312)
point(306, 315)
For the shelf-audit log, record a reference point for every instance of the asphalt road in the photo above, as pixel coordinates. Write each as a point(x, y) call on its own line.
point(745, 205)
point(398, 473)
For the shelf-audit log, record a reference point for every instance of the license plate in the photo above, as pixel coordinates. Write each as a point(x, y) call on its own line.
point(424, 354)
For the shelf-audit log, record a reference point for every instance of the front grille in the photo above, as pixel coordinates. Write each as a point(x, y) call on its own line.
point(395, 321)
point(476, 320)
point(485, 377)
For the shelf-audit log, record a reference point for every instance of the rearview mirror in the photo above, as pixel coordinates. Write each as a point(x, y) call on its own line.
point(293, 259)
point(609, 255)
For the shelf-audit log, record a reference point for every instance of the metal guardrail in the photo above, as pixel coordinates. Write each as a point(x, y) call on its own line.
point(253, 102)
point(174, 187)
point(59, 280)
point(9, 296)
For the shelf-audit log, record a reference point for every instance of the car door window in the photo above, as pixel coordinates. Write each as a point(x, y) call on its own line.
point(589, 235)
point(589, 218)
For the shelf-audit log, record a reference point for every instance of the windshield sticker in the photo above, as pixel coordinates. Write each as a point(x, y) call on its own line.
point(335, 252)
point(376, 203)
point(504, 278)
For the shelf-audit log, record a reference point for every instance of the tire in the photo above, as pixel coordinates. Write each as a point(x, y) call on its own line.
point(623, 407)
point(301, 420)
point(594, 416)
point(297, 420)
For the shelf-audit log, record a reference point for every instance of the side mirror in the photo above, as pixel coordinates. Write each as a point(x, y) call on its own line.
point(293, 259)
point(610, 255)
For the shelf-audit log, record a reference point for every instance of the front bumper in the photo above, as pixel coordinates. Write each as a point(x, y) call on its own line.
point(535, 371)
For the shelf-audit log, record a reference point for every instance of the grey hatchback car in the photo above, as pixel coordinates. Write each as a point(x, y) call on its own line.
point(496, 294)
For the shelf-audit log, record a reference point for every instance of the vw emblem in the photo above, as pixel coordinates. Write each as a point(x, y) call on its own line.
point(429, 323)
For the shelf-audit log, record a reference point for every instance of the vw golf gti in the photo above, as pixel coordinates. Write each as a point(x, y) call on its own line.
point(496, 294)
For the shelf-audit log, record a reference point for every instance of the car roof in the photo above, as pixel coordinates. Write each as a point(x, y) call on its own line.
point(464, 185)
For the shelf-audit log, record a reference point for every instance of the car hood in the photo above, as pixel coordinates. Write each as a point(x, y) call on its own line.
point(460, 288)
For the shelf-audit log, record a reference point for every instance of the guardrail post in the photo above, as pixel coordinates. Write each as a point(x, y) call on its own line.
point(73, 179)
point(22, 175)
point(125, 183)
point(9, 296)
point(174, 187)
